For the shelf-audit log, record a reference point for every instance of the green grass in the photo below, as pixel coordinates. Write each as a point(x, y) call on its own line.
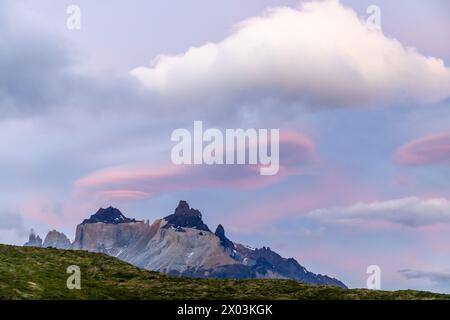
point(33, 273)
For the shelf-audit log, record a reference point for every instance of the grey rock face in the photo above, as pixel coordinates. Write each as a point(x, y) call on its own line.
point(33, 240)
point(58, 240)
point(104, 237)
point(169, 250)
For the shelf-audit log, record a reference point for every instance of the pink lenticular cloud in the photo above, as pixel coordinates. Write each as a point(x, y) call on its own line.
point(296, 151)
point(125, 178)
point(433, 149)
point(124, 195)
point(297, 155)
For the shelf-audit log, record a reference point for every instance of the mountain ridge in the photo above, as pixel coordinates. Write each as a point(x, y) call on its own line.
point(180, 244)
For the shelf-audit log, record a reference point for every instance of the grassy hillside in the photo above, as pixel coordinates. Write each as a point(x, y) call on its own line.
point(32, 273)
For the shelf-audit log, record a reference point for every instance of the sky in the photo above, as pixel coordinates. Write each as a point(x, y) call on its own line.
point(87, 116)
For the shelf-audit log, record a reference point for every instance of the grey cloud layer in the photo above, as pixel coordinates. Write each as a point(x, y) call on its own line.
point(39, 73)
point(33, 70)
point(12, 222)
point(411, 212)
point(438, 277)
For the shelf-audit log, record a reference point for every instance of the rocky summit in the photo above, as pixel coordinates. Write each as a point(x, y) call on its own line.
point(186, 217)
point(58, 240)
point(108, 215)
point(180, 244)
point(33, 240)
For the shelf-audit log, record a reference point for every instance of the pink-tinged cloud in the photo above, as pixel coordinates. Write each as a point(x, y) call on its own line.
point(124, 194)
point(296, 151)
point(433, 149)
point(297, 156)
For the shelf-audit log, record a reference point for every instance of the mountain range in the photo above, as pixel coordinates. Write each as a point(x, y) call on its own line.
point(180, 244)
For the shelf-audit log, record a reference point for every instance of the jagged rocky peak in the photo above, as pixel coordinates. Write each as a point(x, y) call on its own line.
point(183, 208)
point(58, 240)
point(109, 215)
point(220, 233)
point(33, 240)
point(186, 217)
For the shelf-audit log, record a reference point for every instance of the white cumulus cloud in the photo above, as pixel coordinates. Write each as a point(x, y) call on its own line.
point(411, 211)
point(321, 54)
